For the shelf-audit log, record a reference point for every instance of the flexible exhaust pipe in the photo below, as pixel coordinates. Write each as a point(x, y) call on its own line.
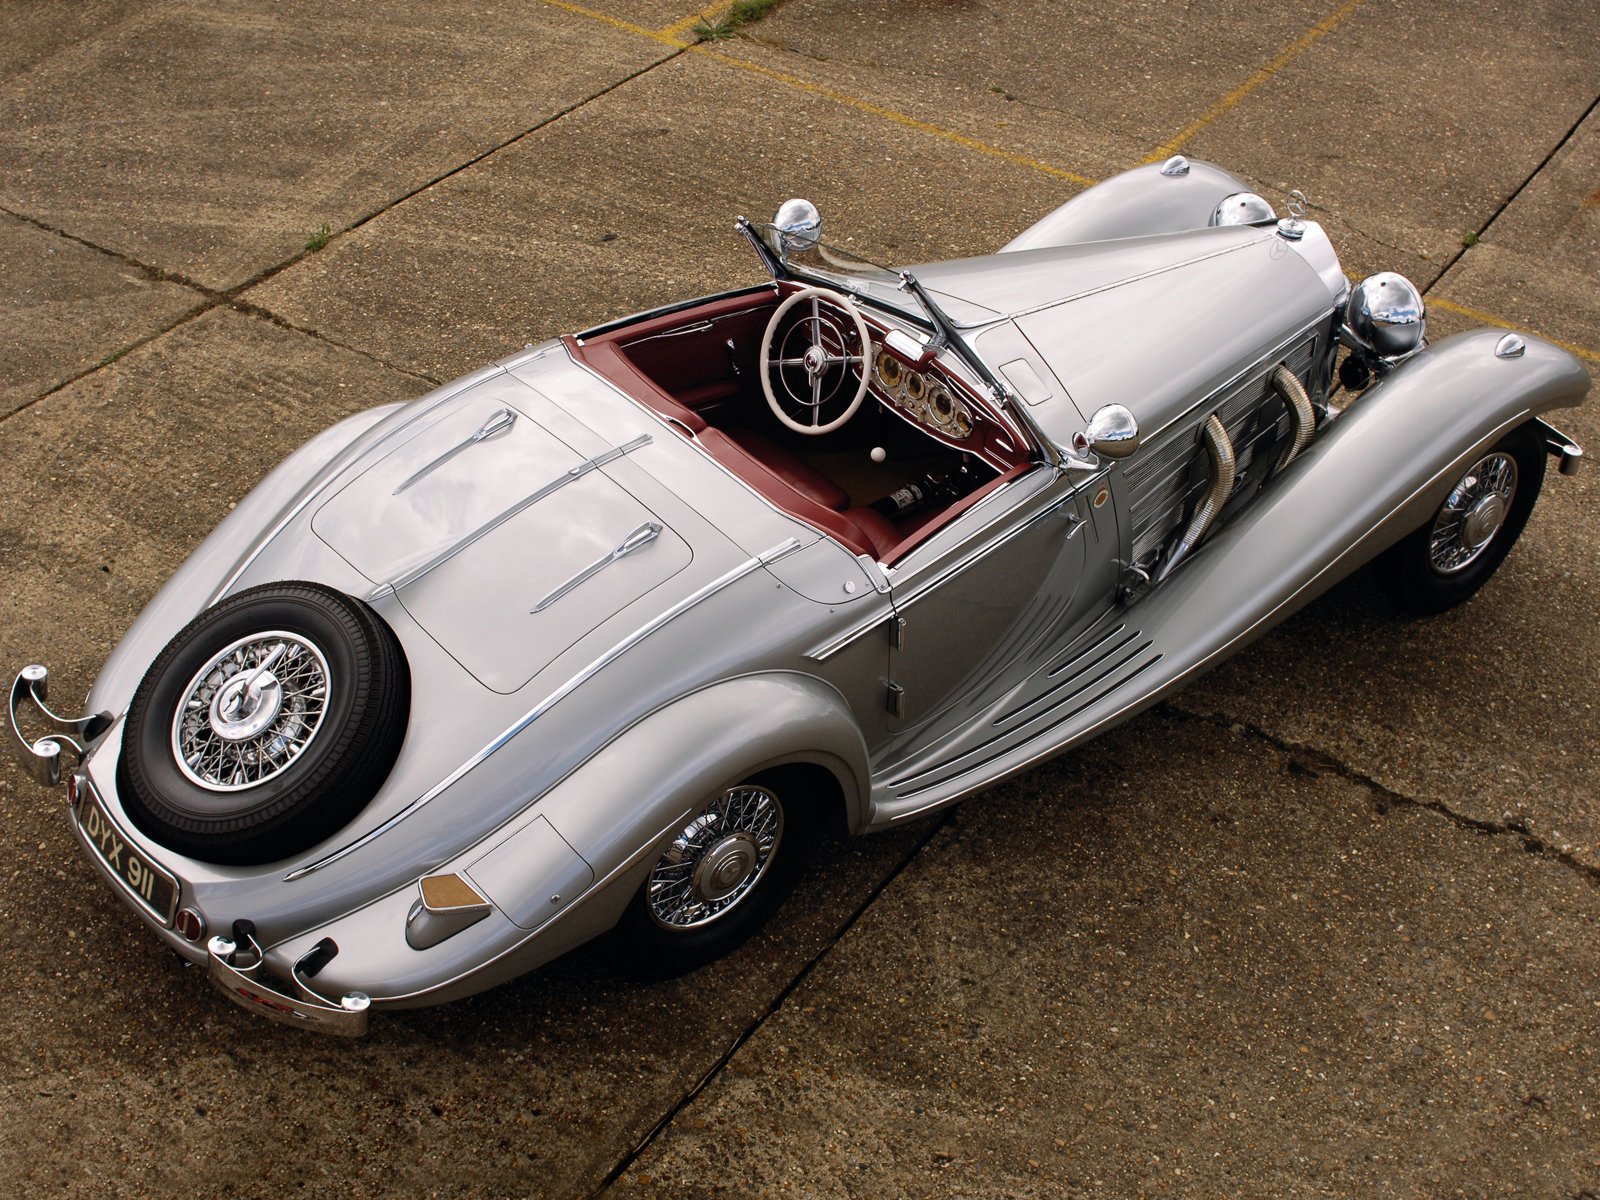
point(1223, 470)
point(1287, 384)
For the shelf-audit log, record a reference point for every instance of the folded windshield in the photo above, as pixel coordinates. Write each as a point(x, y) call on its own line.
point(842, 269)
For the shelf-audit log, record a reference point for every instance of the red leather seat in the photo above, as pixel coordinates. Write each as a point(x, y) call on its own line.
point(880, 532)
point(813, 485)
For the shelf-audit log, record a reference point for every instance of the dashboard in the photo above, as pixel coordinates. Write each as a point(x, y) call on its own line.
point(922, 396)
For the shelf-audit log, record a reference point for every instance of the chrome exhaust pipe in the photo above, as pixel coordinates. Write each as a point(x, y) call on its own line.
point(1287, 384)
point(1224, 468)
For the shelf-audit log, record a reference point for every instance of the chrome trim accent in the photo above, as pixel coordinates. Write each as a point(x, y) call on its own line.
point(1113, 432)
point(1175, 166)
point(331, 471)
point(248, 987)
point(782, 550)
point(637, 540)
point(498, 423)
point(1510, 346)
point(1562, 448)
point(1164, 269)
point(41, 757)
point(1222, 476)
point(874, 571)
point(1295, 396)
point(560, 481)
point(859, 630)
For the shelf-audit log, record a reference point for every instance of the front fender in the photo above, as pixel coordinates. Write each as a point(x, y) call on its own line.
point(1383, 469)
point(611, 818)
point(1136, 203)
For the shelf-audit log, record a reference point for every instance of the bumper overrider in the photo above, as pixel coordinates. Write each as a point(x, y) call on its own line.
point(234, 964)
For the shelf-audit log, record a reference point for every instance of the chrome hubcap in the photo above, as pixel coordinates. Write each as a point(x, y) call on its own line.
point(250, 712)
point(1473, 513)
point(717, 859)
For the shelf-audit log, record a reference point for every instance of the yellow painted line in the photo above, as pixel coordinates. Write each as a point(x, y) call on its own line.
point(668, 37)
point(707, 14)
point(618, 23)
point(804, 85)
point(1311, 38)
point(899, 118)
point(1461, 310)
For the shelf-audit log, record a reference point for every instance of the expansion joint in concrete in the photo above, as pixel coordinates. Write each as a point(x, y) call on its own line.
point(1544, 162)
point(705, 1080)
point(1309, 760)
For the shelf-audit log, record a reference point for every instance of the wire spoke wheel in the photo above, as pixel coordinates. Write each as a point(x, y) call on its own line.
point(251, 711)
point(1446, 560)
point(717, 859)
point(1473, 513)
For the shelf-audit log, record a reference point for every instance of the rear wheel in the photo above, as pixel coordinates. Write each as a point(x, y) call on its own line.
point(1450, 557)
point(265, 725)
point(720, 878)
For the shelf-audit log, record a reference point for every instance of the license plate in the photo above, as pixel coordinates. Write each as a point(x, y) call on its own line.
point(151, 887)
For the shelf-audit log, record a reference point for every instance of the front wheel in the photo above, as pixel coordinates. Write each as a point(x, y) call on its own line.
point(720, 878)
point(1446, 561)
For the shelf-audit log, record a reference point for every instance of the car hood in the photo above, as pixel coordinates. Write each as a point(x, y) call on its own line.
point(1153, 323)
point(506, 542)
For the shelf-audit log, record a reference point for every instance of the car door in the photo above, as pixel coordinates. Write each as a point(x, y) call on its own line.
point(976, 605)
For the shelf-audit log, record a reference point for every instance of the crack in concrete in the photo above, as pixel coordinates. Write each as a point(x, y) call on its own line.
point(617, 1172)
point(215, 298)
point(1317, 762)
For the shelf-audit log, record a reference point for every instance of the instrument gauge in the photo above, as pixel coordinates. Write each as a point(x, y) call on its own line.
point(889, 371)
point(941, 406)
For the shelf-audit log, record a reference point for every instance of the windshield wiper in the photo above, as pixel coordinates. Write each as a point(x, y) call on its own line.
point(945, 333)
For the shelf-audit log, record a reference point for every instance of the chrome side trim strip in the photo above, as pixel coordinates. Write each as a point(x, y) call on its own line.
point(335, 466)
point(912, 594)
point(488, 527)
point(767, 558)
point(828, 649)
point(1150, 274)
point(637, 540)
point(498, 423)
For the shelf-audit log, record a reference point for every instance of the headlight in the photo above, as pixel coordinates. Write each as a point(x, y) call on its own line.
point(1386, 315)
point(1242, 208)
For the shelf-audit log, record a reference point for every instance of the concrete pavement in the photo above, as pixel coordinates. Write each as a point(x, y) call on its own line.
point(1322, 927)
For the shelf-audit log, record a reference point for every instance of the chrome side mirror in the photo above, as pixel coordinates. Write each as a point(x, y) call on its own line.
point(1112, 433)
point(799, 224)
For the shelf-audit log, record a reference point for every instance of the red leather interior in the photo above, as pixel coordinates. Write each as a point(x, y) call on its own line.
point(809, 483)
point(676, 368)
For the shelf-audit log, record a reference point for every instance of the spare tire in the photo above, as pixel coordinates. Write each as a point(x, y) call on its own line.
point(266, 724)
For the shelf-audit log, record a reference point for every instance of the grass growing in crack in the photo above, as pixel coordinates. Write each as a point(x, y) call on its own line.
point(743, 12)
point(319, 239)
point(1470, 240)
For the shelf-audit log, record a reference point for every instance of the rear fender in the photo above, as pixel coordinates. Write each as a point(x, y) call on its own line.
point(1136, 203)
point(613, 816)
point(189, 589)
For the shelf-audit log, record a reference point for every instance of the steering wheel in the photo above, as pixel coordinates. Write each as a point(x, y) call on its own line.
point(814, 360)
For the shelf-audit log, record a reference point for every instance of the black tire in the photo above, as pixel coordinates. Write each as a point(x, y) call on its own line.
point(314, 768)
point(655, 948)
point(1420, 576)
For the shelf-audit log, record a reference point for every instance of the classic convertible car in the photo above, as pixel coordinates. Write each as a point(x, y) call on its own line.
point(599, 637)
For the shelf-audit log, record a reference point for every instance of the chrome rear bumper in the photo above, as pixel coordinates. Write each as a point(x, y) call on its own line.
point(41, 757)
point(240, 974)
point(1567, 453)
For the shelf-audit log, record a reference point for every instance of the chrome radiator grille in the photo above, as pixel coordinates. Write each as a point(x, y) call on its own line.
point(1171, 474)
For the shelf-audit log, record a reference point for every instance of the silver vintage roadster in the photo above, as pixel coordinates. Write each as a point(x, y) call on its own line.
point(600, 636)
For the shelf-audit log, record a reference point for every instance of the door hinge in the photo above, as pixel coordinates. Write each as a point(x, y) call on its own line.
point(897, 633)
point(895, 700)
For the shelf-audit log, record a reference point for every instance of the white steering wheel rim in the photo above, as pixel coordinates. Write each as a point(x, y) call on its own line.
point(863, 362)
